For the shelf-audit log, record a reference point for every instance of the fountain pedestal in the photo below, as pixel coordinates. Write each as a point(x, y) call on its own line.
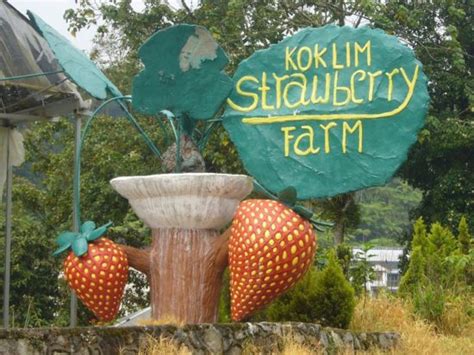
point(188, 254)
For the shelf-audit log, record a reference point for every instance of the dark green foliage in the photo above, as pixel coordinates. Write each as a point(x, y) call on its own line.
point(442, 161)
point(333, 302)
point(295, 305)
point(34, 288)
point(414, 276)
point(344, 256)
point(438, 273)
point(220, 154)
point(464, 238)
point(324, 297)
point(224, 301)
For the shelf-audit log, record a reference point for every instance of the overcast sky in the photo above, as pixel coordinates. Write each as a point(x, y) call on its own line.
point(52, 12)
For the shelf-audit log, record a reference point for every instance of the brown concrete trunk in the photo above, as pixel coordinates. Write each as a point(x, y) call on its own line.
point(186, 274)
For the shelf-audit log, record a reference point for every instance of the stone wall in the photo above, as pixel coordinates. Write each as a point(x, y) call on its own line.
point(201, 339)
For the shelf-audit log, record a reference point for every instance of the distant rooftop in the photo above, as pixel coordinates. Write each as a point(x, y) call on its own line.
point(382, 254)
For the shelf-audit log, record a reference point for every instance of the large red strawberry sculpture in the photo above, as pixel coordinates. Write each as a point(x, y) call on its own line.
point(96, 269)
point(270, 249)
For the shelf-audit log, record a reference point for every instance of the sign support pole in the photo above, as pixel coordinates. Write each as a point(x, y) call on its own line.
point(8, 237)
point(76, 218)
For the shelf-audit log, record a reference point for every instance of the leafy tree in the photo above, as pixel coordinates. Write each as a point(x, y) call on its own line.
point(440, 164)
point(35, 296)
point(343, 211)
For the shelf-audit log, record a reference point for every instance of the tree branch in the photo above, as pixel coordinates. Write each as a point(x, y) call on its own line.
point(222, 250)
point(137, 258)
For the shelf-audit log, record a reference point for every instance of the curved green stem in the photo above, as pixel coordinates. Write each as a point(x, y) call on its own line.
point(205, 137)
point(177, 136)
point(134, 122)
point(165, 131)
point(77, 166)
point(178, 148)
point(169, 115)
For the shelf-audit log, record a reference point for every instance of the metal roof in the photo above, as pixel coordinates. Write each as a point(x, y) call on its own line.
point(382, 254)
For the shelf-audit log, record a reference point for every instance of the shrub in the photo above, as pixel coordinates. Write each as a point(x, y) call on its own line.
point(437, 281)
point(224, 300)
point(333, 299)
point(429, 302)
point(295, 305)
point(464, 238)
point(325, 297)
point(415, 273)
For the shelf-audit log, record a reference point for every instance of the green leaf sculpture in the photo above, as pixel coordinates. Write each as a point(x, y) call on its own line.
point(78, 242)
point(77, 66)
point(183, 73)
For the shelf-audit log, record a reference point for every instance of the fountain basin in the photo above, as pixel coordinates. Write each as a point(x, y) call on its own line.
point(187, 201)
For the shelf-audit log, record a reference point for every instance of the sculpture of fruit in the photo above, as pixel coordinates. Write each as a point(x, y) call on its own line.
point(270, 249)
point(96, 269)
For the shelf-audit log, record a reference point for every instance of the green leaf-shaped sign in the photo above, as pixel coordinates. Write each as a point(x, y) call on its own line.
point(75, 63)
point(327, 111)
point(183, 73)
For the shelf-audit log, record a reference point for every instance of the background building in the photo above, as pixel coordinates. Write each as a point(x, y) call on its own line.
point(385, 262)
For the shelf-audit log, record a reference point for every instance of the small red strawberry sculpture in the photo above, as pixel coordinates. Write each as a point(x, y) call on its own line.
point(96, 269)
point(270, 249)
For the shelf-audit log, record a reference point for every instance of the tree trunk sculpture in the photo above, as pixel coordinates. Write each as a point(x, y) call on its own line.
point(188, 255)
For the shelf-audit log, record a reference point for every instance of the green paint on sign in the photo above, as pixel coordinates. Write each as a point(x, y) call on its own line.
point(328, 110)
point(183, 73)
point(77, 66)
